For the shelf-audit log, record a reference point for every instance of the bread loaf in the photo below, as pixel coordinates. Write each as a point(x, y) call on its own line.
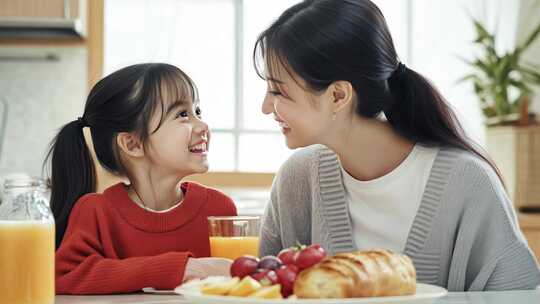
point(374, 273)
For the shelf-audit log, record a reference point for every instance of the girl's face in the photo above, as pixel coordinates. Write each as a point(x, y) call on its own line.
point(304, 117)
point(180, 145)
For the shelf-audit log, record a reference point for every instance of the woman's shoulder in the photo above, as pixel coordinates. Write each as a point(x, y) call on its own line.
point(472, 180)
point(468, 166)
point(304, 161)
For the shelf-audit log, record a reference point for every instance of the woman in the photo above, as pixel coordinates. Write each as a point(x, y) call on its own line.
point(410, 181)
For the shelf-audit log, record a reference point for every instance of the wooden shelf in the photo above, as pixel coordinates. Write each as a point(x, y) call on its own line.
point(39, 8)
point(530, 225)
point(234, 179)
point(38, 42)
point(529, 220)
point(96, 23)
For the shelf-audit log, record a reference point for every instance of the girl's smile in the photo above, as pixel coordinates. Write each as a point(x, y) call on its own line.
point(200, 148)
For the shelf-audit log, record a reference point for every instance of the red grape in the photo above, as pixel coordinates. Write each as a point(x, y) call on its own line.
point(266, 277)
point(244, 266)
point(286, 277)
point(287, 256)
point(269, 262)
point(310, 256)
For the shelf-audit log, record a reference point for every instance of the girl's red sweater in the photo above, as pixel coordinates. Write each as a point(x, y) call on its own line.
point(112, 245)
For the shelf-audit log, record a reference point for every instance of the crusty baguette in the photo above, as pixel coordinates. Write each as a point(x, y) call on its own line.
point(374, 273)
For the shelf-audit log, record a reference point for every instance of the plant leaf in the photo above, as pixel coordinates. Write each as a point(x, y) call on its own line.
point(487, 68)
point(467, 77)
point(503, 68)
point(531, 74)
point(532, 64)
point(531, 38)
point(482, 33)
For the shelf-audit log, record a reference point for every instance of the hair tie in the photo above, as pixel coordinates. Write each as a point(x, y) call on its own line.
point(399, 71)
point(82, 122)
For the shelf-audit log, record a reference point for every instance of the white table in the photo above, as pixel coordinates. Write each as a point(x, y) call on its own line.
point(499, 297)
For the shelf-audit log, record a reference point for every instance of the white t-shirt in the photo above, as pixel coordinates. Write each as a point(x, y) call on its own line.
point(383, 210)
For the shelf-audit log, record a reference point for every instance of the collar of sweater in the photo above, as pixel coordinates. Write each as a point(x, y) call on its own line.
point(195, 198)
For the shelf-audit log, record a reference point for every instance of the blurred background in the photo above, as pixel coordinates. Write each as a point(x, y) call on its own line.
point(53, 51)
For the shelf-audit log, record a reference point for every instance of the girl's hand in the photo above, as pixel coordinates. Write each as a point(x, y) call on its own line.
point(200, 268)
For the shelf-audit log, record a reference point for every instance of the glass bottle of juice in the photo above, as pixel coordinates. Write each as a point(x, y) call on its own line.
point(26, 243)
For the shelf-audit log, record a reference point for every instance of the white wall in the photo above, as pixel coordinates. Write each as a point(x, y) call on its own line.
point(441, 32)
point(529, 18)
point(42, 96)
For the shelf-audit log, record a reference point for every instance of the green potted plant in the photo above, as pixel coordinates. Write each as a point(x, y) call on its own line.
point(502, 82)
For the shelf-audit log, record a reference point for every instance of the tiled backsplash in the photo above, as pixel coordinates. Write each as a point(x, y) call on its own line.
point(42, 95)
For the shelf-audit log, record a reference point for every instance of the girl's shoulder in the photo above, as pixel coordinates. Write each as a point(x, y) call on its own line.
point(91, 201)
point(217, 201)
point(86, 210)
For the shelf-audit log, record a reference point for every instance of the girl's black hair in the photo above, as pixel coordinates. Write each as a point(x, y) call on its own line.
point(323, 41)
point(124, 101)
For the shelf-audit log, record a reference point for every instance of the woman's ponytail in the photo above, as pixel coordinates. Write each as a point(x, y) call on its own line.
point(420, 113)
point(72, 173)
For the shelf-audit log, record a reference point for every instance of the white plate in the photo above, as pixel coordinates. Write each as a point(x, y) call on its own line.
point(424, 294)
point(152, 290)
point(193, 285)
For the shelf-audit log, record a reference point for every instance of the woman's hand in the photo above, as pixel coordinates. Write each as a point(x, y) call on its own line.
point(199, 268)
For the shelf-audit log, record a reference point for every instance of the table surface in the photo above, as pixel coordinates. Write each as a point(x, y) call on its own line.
point(497, 297)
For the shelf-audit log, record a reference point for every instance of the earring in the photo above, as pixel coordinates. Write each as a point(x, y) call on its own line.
point(333, 116)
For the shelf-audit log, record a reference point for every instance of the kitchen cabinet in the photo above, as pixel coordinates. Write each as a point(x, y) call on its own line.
point(90, 12)
point(40, 19)
point(70, 9)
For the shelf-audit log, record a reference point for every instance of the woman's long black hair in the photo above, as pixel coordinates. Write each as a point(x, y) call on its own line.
point(124, 101)
point(323, 41)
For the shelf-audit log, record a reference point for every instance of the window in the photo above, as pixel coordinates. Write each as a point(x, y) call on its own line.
point(212, 41)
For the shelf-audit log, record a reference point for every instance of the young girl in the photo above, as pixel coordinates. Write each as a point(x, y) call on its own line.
point(146, 125)
point(412, 182)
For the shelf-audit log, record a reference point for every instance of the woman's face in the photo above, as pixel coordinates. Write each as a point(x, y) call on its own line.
point(304, 116)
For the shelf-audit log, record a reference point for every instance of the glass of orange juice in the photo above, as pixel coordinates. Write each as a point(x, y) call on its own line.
point(234, 236)
point(26, 243)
